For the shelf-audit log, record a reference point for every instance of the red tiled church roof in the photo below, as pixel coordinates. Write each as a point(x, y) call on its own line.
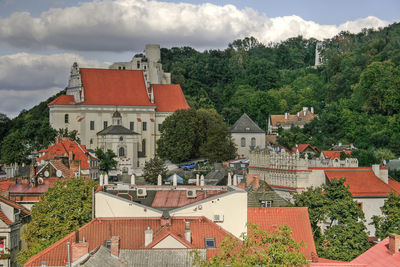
point(331, 154)
point(63, 100)
point(169, 97)
point(131, 231)
point(296, 218)
point(361, 181)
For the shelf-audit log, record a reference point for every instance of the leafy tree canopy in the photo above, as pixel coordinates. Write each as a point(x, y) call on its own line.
point(65, 207)
point(107, 161)
point(153, 168)
point(389, 222)
point(259, 248)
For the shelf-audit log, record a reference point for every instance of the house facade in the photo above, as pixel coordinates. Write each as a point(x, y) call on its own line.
point(287, 120)
point(142, 94)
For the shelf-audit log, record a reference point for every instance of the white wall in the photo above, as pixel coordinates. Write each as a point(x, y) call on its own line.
point(260, 141)
point(169, 242)
point(371, 207)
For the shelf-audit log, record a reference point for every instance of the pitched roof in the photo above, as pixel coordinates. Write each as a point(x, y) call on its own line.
point(330, 154)
point(178, 198)
point(63, 100)
point(116, 129)
point(302, 147)
point(295, 217)
point(14, 205)
point(169, 97)
point(280, 120)
point(5, 219)
point(378, 255)
point(131, 232)
point(4, 185)
point(28, 189)
point(361, 181)
point(245, 125)
point(394, 185)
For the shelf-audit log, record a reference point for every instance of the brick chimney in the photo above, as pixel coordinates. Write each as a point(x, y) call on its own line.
point(115, 240)
point(188, 232)
point(394, 243)
point(78, 250)
point(148, 236)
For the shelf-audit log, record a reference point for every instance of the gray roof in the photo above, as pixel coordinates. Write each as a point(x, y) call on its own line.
point(117, 114)
point(246, 125)
point(116, 129)
point(144, 257)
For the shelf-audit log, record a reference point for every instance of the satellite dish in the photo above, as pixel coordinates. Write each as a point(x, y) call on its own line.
point(40, 181)
point(59, 173)
point(46, 173)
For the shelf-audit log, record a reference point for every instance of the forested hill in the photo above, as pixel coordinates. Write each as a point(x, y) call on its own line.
point(356, 91)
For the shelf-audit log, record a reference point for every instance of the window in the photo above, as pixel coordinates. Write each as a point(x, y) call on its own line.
point(243, 142)
point(360, 205)
point(66, 118)
point(91, 141)
point(159, 127)
point(144, 147)
point(121, 152)
point(105, 124)
point(107, 244)
point(253, 141)
point(92, 125)
point(144, 125)
point(266, 203)
point(131, 125)
point(121, 138)
point(138, 65)
point(123, 68)
point(209, 242)
point(3, 244)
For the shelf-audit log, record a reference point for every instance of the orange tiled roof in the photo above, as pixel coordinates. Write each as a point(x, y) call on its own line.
point(178, 198)
point(295, 217)
point(131, 232)
point(14, 205)
point(63, 100)
point(5, 219)
point(169, 97)
point(361, 181)
point(302, 147)
point(394, 185)
point(4, 185)
point(280, 120)
point(332, 154)
point(378, 255)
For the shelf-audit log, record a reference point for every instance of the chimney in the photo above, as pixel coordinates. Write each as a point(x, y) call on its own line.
point(235, 180)
point(159, 180)
point(133, 179)
point(197, 179)
point(101, 180)
point(148, 236)
point(174, 180)
point(106, 179)
point(78, 250)
point(71, 155)
point(381, 173)
point(256, 182)
point(229, 179)
point(188, 232)
point(312, 110)
point(394, 243)
point(298, 114)
point(202, 180)
point(286, 115)
point(115, 246)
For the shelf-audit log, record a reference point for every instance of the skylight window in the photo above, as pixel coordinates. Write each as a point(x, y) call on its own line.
point(209, 242)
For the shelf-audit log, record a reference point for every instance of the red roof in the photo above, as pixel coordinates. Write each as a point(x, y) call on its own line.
point(63, 100)
point(11, 203)
point(28, 189)
point(378, 255)
point(169, 97)
point(394, 185)
point(331, 154)
point(5, 219)
point(361, 182)
point(131, 232)
point(302, 147)
point(295, 217)
point(63, 146)
point(178, 198)
point(4, 185)
point(322, 262)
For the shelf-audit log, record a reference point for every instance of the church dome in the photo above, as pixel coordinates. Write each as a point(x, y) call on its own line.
point(117, 114)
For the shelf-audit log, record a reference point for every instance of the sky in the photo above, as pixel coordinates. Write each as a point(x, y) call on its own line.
point(39, 40)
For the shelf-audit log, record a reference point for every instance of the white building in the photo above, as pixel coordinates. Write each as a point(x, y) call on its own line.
point(139, 90)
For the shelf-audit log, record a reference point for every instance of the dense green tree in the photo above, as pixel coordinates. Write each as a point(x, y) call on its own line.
point(389, 222)
point(153, 168)
point(14, 149)
point(365, 158)
point(107, 159)
point(65, 207)
point(73, 135)
point(290, 138)
point(332, 205)
point(189, 134)
point(258, 248)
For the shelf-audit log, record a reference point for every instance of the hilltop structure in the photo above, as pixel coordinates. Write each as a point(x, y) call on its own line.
point(141, 93)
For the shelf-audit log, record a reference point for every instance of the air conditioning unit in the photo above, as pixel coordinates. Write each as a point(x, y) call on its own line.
point(218, 217)
point(191, 193)
point(141, 192)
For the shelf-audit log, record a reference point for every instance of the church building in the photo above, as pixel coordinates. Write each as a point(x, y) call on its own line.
point(120, 108)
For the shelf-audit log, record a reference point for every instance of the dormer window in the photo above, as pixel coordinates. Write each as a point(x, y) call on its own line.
point(209, 242)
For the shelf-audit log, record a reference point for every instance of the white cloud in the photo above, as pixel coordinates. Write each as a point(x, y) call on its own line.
point(27, 79)
point(129, 24)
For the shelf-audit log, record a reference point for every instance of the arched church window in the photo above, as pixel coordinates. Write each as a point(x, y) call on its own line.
point(253, 141)
point(66, 118)
point(243, 142)
point(121, 152)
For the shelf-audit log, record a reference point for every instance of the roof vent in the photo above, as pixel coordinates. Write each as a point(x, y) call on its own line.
point(141, 192)
point(191, 193)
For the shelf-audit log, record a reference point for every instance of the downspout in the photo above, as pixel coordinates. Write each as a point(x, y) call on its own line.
point(68, 254)
point(93, 200)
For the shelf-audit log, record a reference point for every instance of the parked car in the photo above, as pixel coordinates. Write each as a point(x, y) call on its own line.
point(188, 166)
